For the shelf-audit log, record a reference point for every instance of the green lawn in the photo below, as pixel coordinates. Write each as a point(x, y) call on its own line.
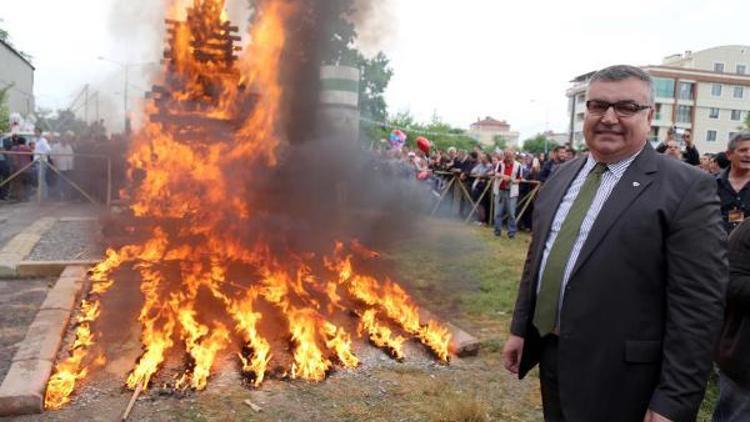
point(466, 274)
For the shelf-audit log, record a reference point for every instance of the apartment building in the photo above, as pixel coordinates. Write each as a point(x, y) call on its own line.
point(707, 91)
point(486, 130)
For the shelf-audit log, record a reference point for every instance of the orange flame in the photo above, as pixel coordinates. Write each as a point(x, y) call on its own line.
point(213, 119)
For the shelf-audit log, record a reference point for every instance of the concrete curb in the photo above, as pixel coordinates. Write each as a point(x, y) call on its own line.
point(22, 390)
point(21, 246)
point(49, 268)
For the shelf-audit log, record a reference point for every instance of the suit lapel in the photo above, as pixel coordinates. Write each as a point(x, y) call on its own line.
point(634, 182)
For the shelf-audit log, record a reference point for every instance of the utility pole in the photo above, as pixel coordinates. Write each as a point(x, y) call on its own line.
point(125, 101)
point(86, 104)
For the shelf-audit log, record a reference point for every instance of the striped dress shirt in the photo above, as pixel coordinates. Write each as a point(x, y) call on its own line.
point(609, 181)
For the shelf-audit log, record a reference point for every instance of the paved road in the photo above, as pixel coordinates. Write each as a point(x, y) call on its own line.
point(19, 300)
point(14, 217)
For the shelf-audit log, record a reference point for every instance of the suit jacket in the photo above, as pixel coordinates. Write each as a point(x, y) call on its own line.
point(644, 304)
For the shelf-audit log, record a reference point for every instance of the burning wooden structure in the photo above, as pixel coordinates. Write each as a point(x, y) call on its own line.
point(206, 134)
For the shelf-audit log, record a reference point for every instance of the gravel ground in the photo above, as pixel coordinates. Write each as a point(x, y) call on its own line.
point(19, 300)
point(68, 241)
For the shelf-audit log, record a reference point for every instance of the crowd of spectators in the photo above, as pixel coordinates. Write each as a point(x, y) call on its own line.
point(78, 160)
point(513, 176)
point(485, 186)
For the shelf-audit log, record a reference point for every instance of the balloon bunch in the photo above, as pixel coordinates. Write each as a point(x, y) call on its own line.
point(397, 139)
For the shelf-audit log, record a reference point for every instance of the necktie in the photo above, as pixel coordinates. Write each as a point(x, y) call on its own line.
point(547, 303)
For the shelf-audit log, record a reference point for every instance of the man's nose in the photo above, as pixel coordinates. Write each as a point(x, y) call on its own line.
point(610, 117)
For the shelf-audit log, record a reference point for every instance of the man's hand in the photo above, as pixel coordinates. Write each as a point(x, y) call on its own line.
point(652, 416)
point(512, 352)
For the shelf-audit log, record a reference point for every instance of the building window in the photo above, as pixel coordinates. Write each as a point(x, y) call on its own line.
point(658, 111)
point(737, 115)
point(664, 87)
point(741, 69)
point(739, 92)
point(686, 91)
point(716, 90)
point(713, 113)
point(580, 99)
point(711, 136)
point(719, 67)
point(684, 114)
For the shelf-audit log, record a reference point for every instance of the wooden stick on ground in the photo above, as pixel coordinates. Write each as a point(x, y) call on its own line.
point(136, 393)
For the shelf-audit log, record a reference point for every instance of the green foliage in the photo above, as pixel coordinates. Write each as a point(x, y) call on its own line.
point(537, 144)
point(65, 120)
point(747, 122)
point(439, 132)
point(4, 109)
point(500, 142)
point(376, 72)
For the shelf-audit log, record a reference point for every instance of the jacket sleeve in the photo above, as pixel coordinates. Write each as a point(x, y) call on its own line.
point(696, 280)
point(521, 312)
point(692, 156)
point(739, 266)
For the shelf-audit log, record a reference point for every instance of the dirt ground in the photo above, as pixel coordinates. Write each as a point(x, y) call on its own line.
point(461, 273)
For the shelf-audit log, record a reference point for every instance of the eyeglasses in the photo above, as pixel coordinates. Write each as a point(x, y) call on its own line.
point(622, 108)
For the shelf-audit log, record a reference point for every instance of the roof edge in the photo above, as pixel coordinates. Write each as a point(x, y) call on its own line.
point(14, 51)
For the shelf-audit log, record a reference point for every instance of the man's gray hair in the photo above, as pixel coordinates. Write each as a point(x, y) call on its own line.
point(736, 139)
point(621, 72)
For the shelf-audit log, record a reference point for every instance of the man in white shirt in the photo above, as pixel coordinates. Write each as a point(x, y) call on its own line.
point(62, 159)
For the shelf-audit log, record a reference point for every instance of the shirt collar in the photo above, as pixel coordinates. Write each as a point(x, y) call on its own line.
point(617, 169)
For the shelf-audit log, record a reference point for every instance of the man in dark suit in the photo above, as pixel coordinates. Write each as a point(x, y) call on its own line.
point(621, 298)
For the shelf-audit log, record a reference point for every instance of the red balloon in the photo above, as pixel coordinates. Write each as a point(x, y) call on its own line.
point(423, 144)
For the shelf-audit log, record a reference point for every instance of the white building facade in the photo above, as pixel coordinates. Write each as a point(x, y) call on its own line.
point(17, 73)
point(706, 91)
point(486, 130)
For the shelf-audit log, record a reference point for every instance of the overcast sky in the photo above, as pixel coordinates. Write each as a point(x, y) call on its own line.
point(461, 59)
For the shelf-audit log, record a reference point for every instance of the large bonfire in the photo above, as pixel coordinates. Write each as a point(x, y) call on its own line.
point(212, 121)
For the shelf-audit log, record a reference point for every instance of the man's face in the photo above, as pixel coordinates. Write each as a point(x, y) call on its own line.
point(740, 156)
point(612, 137)
point(673, 149)
point(687, 136)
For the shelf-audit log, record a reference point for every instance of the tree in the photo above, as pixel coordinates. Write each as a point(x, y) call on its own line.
point(440, 133)
point(747, 122)
point(65, 120)
point(500, 142)
point(537, 144)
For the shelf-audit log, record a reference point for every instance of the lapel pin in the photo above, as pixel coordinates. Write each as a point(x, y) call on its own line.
point(636, 184)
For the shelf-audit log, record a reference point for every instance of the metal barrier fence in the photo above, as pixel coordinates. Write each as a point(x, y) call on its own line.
point(40, 164)
point(455, 180)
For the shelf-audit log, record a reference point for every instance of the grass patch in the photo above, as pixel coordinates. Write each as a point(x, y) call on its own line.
point(460, 269)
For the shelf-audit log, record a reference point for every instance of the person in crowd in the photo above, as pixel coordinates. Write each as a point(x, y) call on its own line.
point(62, 157)
point(41, 145)
point(479, 179)
point(672, 149)
point(671, 146)
point(5, 165)
point(691, 154)
point(559, 155)
point(531, 170)
point(733, 351)
point(621, 300)
point(21, 184)
point(734, 182)
point(705, 163)
point(506, 181)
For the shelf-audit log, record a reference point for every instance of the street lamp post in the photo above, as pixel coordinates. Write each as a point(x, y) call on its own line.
point(125, 67)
